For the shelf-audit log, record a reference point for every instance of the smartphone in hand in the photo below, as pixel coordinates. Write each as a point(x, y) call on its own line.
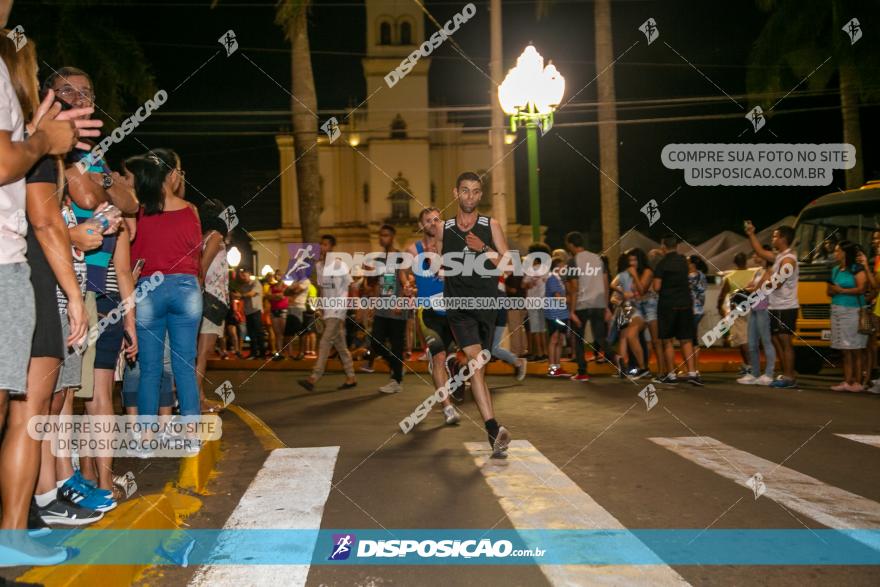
point(128, 343)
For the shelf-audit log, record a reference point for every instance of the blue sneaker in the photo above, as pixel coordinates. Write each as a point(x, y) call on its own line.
point(783, 383)
point(77, 494)
point(90, 486)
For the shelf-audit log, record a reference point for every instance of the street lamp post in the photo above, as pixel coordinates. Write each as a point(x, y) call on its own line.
point(530, 94)
point(233, 257)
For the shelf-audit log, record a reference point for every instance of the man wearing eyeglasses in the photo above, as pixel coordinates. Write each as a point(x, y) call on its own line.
point(108, 267)
point(73, 87)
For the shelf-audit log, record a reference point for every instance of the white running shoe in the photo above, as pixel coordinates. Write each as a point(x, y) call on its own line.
point(391, 387)
point(521, 369)
point(748, 379)
point(764, 380)
point(502, 441)
point(451, 415)
point(874, 388)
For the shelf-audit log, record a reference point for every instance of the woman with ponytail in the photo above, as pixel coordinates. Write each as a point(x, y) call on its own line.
point(168, 296)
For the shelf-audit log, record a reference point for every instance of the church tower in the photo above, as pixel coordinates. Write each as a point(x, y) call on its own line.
point(397, 118)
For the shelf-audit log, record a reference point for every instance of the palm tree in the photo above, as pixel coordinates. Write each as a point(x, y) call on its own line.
point(799, 37)
point(606, 117)
point(292, 15)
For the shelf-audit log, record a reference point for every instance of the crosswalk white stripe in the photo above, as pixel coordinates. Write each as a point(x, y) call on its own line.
point(536, 494)
point(299, 479)
point(871, 439)
point(831, 506)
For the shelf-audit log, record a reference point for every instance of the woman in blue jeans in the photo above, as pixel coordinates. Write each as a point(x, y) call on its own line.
point(759, 328)
point(168, 296)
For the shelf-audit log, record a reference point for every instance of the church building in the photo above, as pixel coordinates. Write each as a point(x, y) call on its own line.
point(394, 156)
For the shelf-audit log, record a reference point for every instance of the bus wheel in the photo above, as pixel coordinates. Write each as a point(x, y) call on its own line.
point(808, 361)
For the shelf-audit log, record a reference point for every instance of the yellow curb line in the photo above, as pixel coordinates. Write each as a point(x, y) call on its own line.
point(158, 511)
point(261, 430)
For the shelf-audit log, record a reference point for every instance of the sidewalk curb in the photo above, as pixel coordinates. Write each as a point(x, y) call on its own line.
point(195, 471)
point(156, 511)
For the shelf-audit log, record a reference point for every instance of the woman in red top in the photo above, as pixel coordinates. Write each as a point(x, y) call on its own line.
point(278, 304)
point(168, 296)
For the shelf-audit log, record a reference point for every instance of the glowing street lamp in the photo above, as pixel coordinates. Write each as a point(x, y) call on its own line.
point(529, 94)
point(233, 257)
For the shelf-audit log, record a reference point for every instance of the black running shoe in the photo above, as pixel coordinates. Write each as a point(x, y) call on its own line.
point(307, 385)
point(666, 379)
point(36, 526)
point(639, 373)
point(695, 380)
point(63, 513)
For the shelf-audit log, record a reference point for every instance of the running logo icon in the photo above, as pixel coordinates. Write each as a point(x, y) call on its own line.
point(650, 30)
point(302, 257)
point(651, 211)
point(229, 42)
point(225, 392)
point(756, 484)
point(230, 217)
point(853, 29)
point(649, 395)
point(331, 128)
point(756, 117)
point(342, 546)
point(19, 39)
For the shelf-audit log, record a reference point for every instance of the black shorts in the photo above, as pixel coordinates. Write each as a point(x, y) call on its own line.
point(47, 340)
point(554, 326)
point(783, 321)
point(109, 342)
point(435, 329)
point(470, 327)
point(676, 323)
point(308, 322)
point(293, 326)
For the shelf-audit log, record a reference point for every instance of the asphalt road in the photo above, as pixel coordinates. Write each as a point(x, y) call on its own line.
point(600, 435)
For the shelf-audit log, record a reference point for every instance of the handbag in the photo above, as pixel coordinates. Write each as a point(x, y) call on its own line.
point(867, 320)
point(213, 308)
point(623, 314)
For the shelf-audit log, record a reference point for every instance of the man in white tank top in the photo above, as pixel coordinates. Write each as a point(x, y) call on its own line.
point(783, 298)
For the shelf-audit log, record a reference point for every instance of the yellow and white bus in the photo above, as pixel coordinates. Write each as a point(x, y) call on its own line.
point(852, 215)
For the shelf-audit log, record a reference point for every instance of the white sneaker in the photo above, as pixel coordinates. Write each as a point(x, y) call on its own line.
point(522, 369)
point(502, 441)
point(764, 380)
point(874, 388)
point(391, 387)
point(451, 415)
point(747, 379)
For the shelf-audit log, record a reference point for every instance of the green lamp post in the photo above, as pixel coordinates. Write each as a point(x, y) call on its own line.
point(530, 94)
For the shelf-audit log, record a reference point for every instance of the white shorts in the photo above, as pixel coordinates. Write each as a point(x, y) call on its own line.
point(209, 327)
point(536, 321)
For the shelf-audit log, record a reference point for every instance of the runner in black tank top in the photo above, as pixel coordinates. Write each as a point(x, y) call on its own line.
point(474, 240)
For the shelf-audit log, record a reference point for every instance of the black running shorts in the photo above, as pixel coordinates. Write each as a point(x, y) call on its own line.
point(677, 323)
point(470, 327)
point(783, 321)
point(435, 329)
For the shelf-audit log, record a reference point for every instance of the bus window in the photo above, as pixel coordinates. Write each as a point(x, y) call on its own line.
point(816, 237)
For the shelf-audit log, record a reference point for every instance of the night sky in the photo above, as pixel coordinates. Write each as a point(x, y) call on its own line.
point(179, 36)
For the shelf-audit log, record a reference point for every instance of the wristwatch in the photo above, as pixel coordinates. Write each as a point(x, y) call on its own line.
point(107, 181)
